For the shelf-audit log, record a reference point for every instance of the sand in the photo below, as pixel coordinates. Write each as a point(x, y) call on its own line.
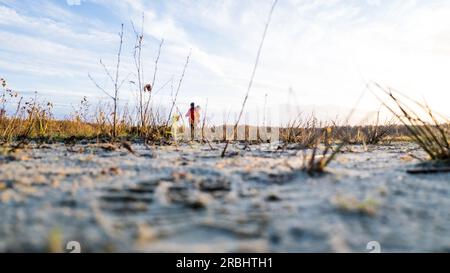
point(189, 199)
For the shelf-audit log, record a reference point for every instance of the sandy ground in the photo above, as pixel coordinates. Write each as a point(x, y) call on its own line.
point(189, 199)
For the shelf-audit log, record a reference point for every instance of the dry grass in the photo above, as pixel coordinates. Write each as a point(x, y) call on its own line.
point(317, 161)
point(428, 129)
point(304, 132)
point(34, 119)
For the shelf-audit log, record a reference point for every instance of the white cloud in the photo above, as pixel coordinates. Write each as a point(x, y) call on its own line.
point(374, 2)
point(73, 2)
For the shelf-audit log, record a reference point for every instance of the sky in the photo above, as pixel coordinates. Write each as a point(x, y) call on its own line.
point(317, 57)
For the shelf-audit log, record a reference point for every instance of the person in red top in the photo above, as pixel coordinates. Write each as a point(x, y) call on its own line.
point(191, 114)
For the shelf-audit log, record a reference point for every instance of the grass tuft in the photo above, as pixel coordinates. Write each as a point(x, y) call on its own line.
point(317, 162)
point(427, 128)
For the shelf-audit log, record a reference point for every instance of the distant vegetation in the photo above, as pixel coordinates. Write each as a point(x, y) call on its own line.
point(34, 119)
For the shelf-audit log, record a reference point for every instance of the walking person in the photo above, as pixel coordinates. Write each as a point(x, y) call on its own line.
point(191, 115)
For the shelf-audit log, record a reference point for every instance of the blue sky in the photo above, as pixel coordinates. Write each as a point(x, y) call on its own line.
point(317, 55)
